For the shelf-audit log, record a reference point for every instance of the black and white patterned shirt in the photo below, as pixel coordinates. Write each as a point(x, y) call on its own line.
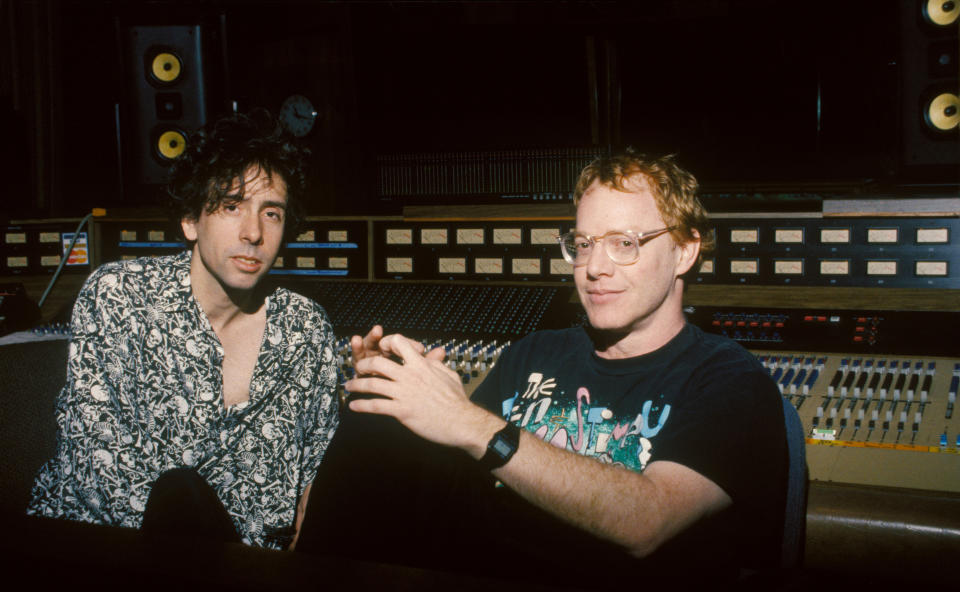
point(144, 395)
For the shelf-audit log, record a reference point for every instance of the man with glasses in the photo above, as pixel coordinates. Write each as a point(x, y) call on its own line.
point(637, 447)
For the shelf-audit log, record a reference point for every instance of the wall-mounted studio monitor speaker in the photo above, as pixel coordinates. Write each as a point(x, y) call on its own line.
point(165, 101)
point(930, 79)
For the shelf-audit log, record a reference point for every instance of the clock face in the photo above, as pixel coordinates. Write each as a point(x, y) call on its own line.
point(298, 115)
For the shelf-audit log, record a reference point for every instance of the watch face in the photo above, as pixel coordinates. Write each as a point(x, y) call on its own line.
point(298, 115)
point(502, 447)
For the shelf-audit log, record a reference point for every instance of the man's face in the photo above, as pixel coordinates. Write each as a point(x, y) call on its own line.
point(235, 246)
point(629, 299)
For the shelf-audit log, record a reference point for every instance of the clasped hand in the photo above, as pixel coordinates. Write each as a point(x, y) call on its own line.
point(417, 389)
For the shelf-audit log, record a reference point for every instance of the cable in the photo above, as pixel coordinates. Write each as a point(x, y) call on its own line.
point(63, 259)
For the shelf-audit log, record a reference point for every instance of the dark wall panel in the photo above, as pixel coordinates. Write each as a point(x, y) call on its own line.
point(757, 91)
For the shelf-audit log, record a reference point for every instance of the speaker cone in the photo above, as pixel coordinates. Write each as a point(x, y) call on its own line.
point(943, 112)
point(166, 67)
point(942, 13)
point(171, 144)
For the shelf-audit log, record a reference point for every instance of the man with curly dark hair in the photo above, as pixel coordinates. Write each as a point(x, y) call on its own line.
point(217, 158)
point(197, 403)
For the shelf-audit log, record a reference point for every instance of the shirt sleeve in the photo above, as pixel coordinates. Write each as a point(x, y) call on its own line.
point(88, 479)
point(729, 430)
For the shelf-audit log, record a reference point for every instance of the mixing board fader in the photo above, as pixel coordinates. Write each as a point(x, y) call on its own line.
point(875, 420)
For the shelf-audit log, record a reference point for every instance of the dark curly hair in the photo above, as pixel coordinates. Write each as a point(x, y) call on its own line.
point(218, 157)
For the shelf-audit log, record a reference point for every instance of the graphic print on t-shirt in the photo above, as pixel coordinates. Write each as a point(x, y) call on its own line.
point(583, 424)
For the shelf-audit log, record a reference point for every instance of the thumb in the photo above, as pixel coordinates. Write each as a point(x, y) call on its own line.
point(437, 353)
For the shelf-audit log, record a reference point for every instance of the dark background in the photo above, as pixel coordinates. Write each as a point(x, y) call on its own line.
point(797, 94)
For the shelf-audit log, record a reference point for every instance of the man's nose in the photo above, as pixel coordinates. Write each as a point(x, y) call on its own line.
point(251, 228)
point(598, 262)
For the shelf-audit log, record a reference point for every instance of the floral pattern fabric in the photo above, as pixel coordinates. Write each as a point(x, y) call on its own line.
point(144, 394)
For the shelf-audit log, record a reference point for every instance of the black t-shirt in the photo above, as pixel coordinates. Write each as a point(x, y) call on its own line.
point(701, 401)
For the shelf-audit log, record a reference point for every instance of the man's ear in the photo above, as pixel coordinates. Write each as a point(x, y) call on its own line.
point(189, 227)
point(689, 252)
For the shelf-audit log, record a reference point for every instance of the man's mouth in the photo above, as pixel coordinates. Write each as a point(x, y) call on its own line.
point(249, 263)
point(601, 296)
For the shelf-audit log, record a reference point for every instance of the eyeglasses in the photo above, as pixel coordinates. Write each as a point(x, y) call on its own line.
point(622, 246)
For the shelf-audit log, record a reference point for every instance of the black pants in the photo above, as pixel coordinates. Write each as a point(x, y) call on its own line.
point(182, 505)
point(384, 495)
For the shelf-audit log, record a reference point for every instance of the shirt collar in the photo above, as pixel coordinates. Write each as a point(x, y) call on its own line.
point(179, 296)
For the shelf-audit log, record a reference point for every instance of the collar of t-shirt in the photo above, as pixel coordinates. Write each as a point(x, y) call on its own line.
point(659, 357)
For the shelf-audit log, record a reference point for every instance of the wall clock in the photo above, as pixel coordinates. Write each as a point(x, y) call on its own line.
point(297, 115)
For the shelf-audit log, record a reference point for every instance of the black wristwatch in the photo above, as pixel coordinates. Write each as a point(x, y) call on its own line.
point(501, 447)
